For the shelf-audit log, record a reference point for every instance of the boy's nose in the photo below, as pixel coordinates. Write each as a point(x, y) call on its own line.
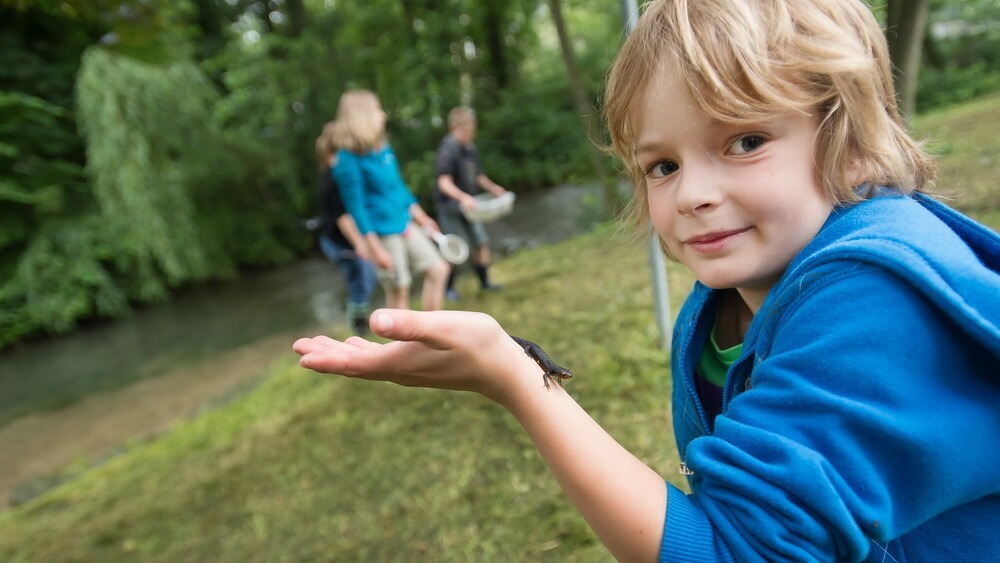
point(698, 190)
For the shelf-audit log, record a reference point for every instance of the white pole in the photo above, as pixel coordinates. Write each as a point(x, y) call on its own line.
point(631, 11)
point(657, 265)
point(661, 292)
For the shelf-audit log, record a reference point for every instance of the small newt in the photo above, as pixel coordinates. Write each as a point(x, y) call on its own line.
point(551, 369)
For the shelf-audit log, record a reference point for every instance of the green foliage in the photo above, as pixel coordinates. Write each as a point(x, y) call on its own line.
point(193, 200)
point(35, 178)
point(961, 53)
point(146, 140)
point(282, 88)
point(62, 276)
point(954, 84)
point(530, 145)
point(42, 185)
point(173, 198)
point(270, 109)
point(532, 137)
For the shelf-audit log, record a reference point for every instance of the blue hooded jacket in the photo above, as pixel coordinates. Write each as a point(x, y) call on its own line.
point(862, 421)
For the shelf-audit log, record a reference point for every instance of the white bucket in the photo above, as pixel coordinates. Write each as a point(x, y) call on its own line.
point(489, 208)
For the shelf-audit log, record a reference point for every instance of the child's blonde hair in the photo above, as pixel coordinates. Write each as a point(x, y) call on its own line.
point(461, 115)
point(746, 60)
point(358, 128)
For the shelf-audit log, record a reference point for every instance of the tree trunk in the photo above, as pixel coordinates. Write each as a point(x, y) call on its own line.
point(494, 39)
point(906, 24)
point(211, 24)
point(591, 126)
point(296, 11)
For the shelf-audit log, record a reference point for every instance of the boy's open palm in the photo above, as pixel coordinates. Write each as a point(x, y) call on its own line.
point(442, 349)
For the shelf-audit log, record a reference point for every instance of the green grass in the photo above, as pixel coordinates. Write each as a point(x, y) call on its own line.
point(318, 468)
point(966, 140)
point(313, 468)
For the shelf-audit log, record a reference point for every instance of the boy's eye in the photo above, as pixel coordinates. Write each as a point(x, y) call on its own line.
point(746, 144)
point(662, 169)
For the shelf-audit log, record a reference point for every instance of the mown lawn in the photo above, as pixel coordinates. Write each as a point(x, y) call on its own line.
point(318, 468)
point(313, 468)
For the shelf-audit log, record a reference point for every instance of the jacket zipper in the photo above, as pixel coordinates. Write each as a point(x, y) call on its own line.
point(687, 374)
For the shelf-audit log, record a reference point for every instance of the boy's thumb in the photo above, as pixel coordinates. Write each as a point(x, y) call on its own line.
point(430, 327)
point(382, 322)
point(402, 324)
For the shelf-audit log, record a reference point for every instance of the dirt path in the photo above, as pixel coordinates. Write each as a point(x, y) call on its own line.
point(42, 443)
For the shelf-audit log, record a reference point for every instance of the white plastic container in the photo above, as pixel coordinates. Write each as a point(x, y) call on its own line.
point(453, 248)
point(489, 208)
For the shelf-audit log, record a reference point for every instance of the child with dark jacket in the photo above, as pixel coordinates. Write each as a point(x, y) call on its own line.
point(460, 177)
point(339, 238)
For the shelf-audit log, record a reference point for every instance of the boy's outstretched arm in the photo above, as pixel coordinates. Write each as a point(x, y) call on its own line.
point(622, 499)
point(446, 184)
point(488, 184)
point(349, 229)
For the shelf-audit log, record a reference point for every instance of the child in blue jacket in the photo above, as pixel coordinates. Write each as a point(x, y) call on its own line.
point(836, 367)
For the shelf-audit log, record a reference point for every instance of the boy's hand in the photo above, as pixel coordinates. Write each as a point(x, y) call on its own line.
point(382, 259)
point(362, 252)
point(468, 202)
point(442, 349)
point(431, 224)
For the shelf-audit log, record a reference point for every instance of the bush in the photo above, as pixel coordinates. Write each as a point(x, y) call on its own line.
point(526, 144)
point(954, 84)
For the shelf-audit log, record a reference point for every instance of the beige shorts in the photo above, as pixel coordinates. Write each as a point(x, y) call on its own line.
point(411, 251)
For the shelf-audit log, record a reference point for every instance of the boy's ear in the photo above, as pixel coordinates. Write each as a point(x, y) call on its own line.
point(855, 172)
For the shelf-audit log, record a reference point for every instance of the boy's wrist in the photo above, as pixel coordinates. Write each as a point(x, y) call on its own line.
point(520, 376)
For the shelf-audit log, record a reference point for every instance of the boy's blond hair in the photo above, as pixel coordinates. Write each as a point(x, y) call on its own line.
point(357, 128)
point(746, 60)
point(461, 115)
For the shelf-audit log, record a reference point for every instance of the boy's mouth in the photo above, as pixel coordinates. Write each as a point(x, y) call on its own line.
point(714, 240)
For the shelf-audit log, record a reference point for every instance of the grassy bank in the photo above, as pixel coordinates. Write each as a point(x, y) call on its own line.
point(312, 467)
point(965, 138)
point(317, 468)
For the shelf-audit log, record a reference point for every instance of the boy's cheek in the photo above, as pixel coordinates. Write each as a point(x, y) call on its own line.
point(661, 227)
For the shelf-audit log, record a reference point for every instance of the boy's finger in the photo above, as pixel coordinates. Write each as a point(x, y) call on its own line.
point(316, 343)
point(352, 362)
point(359, 342)
point(305, 345)
point(325, 361)
point(399, 362)
point(324, 340)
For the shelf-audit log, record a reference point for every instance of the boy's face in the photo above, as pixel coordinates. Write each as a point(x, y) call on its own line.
point(735, 203)
point(464, 132)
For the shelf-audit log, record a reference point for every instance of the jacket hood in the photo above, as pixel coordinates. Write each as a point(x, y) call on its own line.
point(948, 257)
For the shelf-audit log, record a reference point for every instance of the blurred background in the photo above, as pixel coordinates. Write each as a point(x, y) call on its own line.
point(156, 172)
